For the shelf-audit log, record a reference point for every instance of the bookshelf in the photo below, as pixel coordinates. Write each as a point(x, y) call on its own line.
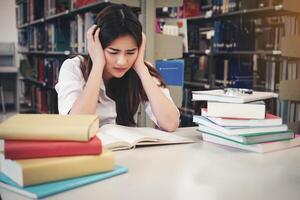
point(258, 58)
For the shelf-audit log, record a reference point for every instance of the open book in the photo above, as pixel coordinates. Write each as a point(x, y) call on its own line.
point(117, 137)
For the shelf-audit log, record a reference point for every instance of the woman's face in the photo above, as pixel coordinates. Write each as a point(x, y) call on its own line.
point(120, 56)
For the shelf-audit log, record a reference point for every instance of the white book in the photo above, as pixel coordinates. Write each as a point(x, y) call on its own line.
point(259, 148)
point(117, 137)
point(239, 130)
point(270, 120)
point(221, 96)
point(252, 110)
point(252, 139)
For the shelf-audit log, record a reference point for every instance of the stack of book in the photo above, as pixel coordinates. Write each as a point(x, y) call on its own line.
point(238, 119)
point(43, 154)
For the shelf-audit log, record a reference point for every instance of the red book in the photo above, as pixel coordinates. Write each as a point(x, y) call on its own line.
point(21, 149)
point(80, 3)
point(270, 120)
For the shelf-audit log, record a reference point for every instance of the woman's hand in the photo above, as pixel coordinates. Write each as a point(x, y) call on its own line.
point(139, 64)
point(94, 47)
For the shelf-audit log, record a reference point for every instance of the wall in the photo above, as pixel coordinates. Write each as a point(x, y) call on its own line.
point(8, 28)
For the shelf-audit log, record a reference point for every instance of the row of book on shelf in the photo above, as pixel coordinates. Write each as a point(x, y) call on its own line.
point(44, 154)
point(30, 10)
point(63, 35)
point(217, 7)
point(240, 34)
point(238, 119)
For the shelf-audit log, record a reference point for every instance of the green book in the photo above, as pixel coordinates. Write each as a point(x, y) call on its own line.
point(250, 139)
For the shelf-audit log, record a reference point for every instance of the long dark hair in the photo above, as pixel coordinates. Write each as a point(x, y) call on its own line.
point(114, 21)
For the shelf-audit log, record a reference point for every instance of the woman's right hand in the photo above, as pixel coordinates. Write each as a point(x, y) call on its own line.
point(94, 47)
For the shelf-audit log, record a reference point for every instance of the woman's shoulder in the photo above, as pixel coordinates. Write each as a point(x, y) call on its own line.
point(72, 66)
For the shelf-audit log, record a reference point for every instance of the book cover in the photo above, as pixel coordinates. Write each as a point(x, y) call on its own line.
point(172, 71)
point(41, 170)
point(26, 149)
point(231, 97)
point(270, 120)
point(49, 127)
point(259, 148)
point(48, 189)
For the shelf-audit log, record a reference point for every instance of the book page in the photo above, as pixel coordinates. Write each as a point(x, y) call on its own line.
point(112, 143)
point(142, 136)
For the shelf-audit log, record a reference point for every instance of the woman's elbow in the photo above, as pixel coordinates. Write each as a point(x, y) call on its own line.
point(171, 125)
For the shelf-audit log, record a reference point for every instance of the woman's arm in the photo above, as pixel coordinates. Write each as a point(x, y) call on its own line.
point(86, 103)
point(164, 109)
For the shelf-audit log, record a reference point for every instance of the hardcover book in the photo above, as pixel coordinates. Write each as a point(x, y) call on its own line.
point(252, 110)
point(270, 120)
point(236, 130)
point(259, 148)
point(239, 97)
point(42, 170)
point(25, 149)
point(48, 189)
point(251, 139)
point(49, 127)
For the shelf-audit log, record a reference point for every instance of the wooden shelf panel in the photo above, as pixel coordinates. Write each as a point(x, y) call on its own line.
point(290, 46)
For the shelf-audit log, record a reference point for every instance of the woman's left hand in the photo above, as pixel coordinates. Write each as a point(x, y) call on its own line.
point(139, 64)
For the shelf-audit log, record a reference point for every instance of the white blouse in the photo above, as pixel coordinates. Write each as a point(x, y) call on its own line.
point(71, 83)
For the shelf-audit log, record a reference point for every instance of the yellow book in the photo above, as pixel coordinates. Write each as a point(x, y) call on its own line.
point(36, 171)
point(50, 127)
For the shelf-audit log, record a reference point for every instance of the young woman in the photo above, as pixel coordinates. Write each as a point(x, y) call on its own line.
point(114, 79)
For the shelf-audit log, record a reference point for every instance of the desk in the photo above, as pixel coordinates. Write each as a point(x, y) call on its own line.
point(195, 171)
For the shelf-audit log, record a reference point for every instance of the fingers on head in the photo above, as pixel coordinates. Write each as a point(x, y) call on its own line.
point(96, 35)
point(91, 32)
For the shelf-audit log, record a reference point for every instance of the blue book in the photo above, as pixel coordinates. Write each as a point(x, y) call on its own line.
point(48, 189)
point(172, 71)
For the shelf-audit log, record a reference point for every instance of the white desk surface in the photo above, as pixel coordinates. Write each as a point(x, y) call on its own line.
point(195, 171)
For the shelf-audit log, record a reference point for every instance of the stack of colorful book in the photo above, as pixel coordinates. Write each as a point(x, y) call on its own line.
point(43, 154)
point(240, 120)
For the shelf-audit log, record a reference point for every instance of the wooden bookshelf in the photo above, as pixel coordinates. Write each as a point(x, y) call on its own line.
point(290, 46)
point(289, 90)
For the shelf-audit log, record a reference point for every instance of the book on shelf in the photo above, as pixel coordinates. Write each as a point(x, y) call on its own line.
point(80, 3)
point(252, 110)
point(36, 171)
point(172, 71)
point(251, 139)
point(25, 149)
point(117, 137)
point(49, 127)
point(270, 120)
point(221, 96)
point(259, 148)
point(238, 130)
point(48, 189)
